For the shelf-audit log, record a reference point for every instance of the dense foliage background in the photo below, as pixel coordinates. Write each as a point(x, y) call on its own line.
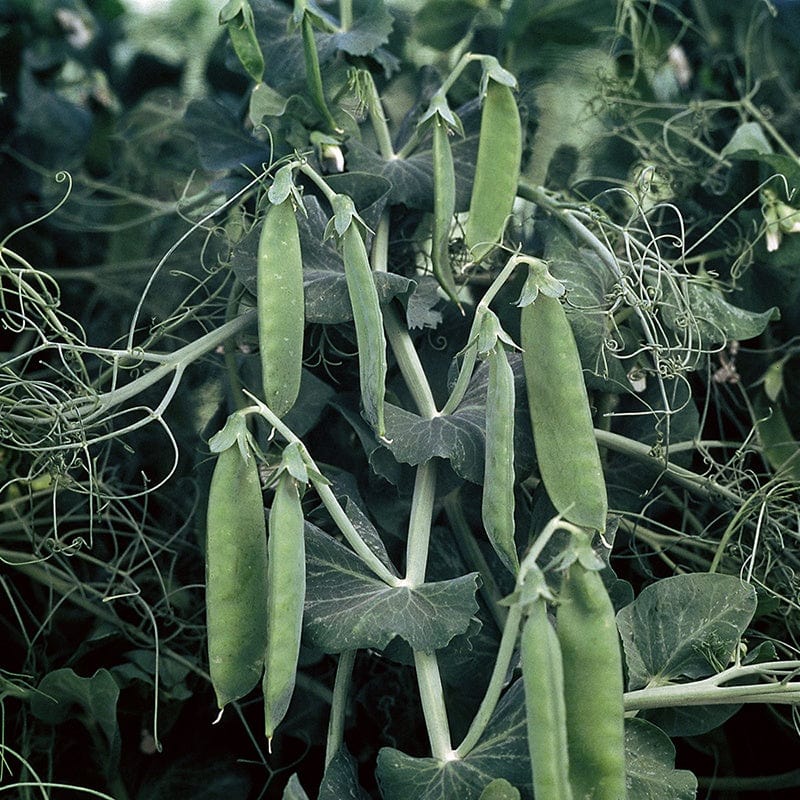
point(131, 156)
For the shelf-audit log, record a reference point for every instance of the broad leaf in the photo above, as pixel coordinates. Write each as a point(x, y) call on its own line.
point(294, 790)
point(502, 752)
point(686, 626)
point(460, 437)
point(60, 691)
point(500, 789)
point(749, 136)
point(712, 317)
point(221, 142)
point(340, 781)
point(412, 178)
point(589, 284)
point(348, 608)
point(650, 765)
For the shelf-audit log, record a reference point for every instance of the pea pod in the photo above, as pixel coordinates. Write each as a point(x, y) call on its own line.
point(496, 170)
point(593, 686)
point(314, 73)
point(444, 207)
point(237, 16)
point(236, 568)
point(546, 712)
point(286, 587)
point(370, 337)
point(497, 508)
point(563, 434)
point(281, 320)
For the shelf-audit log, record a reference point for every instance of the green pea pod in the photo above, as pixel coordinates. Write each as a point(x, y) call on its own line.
point(370, 337)
point(444, 207)
point(496, 170)
point(237, 16)
point(563, 434)
point(236, 569)
point(281, 320)
point(593, 686)
point(545, 708)
point(497, 508)
point(286, 582)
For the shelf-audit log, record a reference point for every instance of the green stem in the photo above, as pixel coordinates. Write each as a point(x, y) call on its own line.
point(711, 691)
point(431, 694)
point(378, 119)
point(496, 682)
point(697, 484)
point(345, 14)
point(473, 555)
point(328, 498)
point(341, 694)
point(419, 525)
point(470, 352)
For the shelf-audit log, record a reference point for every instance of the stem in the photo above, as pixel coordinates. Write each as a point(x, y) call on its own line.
point(710, 691)
point(496, 682)
point(431, 693)
point(341, 693)
point(697, 484)
point(470, 352)
point(345, 14)
point(397, 334)
point(419, 525)
point(181, 358)
point(328, 498)
point(473, 555)
point(378, 119)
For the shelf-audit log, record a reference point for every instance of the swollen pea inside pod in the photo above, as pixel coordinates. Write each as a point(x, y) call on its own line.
point(236, 571)
point(280, 305)
point(496, 171)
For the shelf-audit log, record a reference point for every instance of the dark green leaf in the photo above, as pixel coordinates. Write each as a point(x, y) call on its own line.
point(294, 790)
point(443, 23)
point(713, 318)
point(61, 691)
point(347, 608)
point(650, 765)
point(368, 32)
point(684, 626)
point(500, 789)
point(221, 142)
point(412, 178)
point(340, 781)
point(502, 752)
point(459, 437)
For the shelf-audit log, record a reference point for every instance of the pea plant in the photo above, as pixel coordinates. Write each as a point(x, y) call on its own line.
point(447, 451)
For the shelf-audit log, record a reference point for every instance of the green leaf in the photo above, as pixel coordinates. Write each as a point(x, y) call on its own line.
point(368, 32)
point(266, 102)
point(589, 286)
point(441, 24)
point(60, 691)
point(460, 437)
point(348, 608)
point(713, 318)
point(502, 752)
point(294, 790)
point(411, 178)
point(500, 789)
point(748, 137)
point(421, 308)
point(221, 142)
point(340, 781)
point(650, 765)
point(686, 626)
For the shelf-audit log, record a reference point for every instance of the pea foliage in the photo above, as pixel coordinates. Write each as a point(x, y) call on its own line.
point(397, 399)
